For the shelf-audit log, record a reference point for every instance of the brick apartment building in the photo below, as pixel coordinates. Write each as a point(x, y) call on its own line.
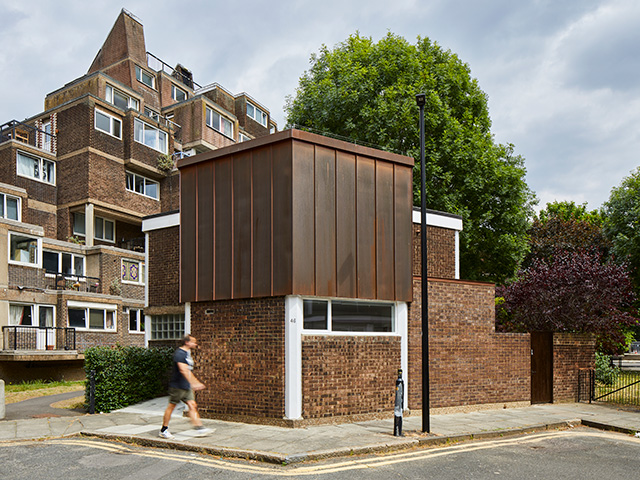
point(299, 261)
point(75, 183)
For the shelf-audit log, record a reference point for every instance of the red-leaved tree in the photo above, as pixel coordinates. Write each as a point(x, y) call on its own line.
point(570, 292)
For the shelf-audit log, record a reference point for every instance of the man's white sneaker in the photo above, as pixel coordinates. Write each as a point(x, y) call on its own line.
point(166, 434)
point(202, 431)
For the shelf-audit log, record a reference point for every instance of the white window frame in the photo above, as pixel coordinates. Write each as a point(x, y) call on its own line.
point(38, 252)
point(329, 330)
point(37, 175)
point(35, 313)
point(243, 138)
point(140, 128)
point(257, 114)
point(174, 93)
point(110, 92)
point(133, 178)
point(140, 76)
point(152, 114)
point(139, 320)
point(87, 307)
point(140, 267)
point(104, 222)
point(219, 125)
point(112, 122)
point(3, 206)
point(74, 259)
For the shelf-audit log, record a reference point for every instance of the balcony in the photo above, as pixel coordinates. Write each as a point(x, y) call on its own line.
point(77, 283)
point(21, 132)
point(30, 338)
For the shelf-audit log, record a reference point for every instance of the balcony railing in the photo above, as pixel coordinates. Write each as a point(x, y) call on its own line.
point(135, 244)
point(15, 130)
point(27, 337)
point(78, 283)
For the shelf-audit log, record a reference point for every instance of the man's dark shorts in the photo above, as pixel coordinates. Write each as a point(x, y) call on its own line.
point(176, 395)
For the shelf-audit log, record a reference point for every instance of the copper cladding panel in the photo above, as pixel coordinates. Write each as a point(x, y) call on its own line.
point(282, 159)
point(365, 224)
point(242, 223)
point(261, 222)
point(325, 222)
point(385, 236)
point(188, 229)
point(205, 231)
point(345, 225)
point(403, 206)
point(303, 219)
point(223, 227)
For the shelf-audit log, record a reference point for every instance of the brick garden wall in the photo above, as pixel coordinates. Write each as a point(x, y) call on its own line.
point(164, 265)
point(470, 364)
point(441, 252)
point(571, 352)
point(348, 375)
point(241, 357)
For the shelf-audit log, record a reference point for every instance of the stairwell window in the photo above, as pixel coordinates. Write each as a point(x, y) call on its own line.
point(36, 168)
point(145, 77)
point(142, 185)
point(108, 124)
point(219, 123)
point(150, 136)
point(10, 207)
point(257, 114)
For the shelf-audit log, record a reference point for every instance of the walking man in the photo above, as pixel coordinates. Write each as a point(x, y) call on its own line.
point(182, 384)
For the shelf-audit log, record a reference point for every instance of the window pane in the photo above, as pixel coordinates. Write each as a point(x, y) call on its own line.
point(119, 100)
point(108, 94)
point(150, 137)
point(76, 318)
point(250, 111)
point(162, 141)
point(50, 262)
point(45, 316)
point(130, 181)
point(227, 127)
point(48, 171)
point(315, 314)
point(78, 265)
point(116, 127)
point(139, 184)
point(361, 317)
point(133, 320)
point(103, 122)
point(1, 205)
point(98, 227)
point(108, 230)
point(66, 264)
point(151, 189)
point(138, 131)
point(96, 318)
point(20, 314)
point(24, 249)
point(78, 223)
point(110, 324)
point(27, 166)
point(12, 208)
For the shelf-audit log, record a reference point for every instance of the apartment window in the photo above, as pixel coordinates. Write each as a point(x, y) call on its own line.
point(348, 316)
point(104, 229)
point(257, 114)
point(219, 123)
point(132, 271)
point(9, 207)
point(142, 185)
point(36, 168)
point(136, 320)
point(150, 136)
point(120, 99)
point(24, 249)
point(243, 138)
point(108, 124)
point(152, 114)
point(167, 327)
point(145, 77)
point(46, 137)
point(88, 316)
point(34, 315)
point(64, 263)
point(178, 94)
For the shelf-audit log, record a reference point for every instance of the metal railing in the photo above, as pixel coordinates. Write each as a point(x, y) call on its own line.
point(15, 130)
point(78, 283)
point(135, 244)
point(27, 337)
point(621, 388)
point(160, 66)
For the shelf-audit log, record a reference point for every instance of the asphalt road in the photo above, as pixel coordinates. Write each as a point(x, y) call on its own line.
point(580, 453)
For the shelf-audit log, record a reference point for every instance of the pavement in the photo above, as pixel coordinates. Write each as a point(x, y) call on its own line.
point(140, 424)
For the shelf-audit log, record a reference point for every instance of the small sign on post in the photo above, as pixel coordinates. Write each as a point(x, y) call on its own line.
point(399, 406)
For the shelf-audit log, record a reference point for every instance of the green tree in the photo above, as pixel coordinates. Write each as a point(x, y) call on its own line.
point(622, 224)
point(366, 91)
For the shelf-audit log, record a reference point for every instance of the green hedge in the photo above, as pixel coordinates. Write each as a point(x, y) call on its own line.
point(126, 375)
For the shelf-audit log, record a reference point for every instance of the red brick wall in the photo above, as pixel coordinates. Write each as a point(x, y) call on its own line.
point(470, 364)
point(441, 252)
point(164, 266)
point(571, 352)
point(241, 357)
point(348, 375)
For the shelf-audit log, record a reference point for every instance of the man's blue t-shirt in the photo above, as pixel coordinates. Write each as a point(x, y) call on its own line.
point(178, 380)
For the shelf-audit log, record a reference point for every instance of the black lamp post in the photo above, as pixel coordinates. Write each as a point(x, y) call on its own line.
point(421, 99)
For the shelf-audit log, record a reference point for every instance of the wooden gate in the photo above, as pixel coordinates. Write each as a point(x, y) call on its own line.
point(541, 367)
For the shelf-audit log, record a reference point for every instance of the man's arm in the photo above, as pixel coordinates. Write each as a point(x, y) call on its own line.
point(191, 378)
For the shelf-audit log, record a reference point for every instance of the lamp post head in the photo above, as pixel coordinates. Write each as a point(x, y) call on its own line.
point(421, 99)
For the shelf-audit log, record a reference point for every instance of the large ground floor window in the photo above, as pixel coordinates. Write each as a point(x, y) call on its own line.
point(92, 316)
point(348, 316)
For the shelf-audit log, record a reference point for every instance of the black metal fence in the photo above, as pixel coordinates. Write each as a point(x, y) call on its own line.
point(79, 283)
point(622, 388)
point(25, 337)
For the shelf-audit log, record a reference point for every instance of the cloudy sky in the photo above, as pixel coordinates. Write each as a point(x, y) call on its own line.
point(561, 76)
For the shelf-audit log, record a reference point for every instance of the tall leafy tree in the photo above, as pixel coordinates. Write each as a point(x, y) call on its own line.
point(622, 223)
point(365, 91)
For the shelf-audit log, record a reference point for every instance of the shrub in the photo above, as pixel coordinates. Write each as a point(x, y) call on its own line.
point(606, 372)
point(126, 375)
